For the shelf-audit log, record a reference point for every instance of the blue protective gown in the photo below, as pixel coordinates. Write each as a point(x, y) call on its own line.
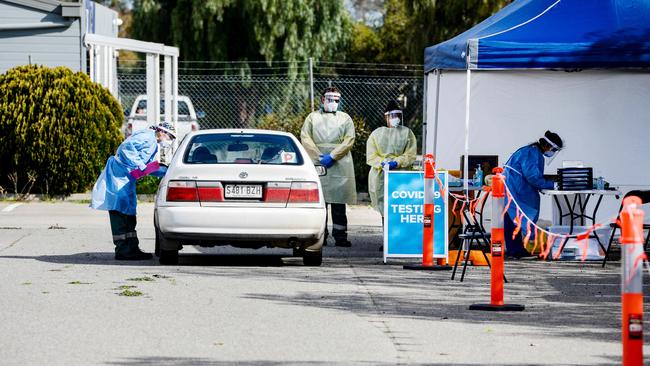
point(115, 187)
point(525, 178)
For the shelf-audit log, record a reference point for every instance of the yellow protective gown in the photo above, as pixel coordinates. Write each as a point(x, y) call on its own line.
point(397, 144)
point(332, 133)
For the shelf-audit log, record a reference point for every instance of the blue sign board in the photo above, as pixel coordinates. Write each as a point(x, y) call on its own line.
point(403, 207)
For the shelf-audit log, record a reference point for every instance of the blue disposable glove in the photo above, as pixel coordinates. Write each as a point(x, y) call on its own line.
point(392, 165)
point(160, 172)
point(326, 160)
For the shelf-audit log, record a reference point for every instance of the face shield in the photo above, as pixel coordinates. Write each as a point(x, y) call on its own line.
point(552, 152)
point(331, 102)
point(393, 118)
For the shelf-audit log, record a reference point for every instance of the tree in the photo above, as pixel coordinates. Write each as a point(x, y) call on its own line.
point(432, 22)
point(272, 31)
point(411, 25)
point(281, 34)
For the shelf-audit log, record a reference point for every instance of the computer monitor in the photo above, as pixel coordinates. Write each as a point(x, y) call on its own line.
point(488, 162)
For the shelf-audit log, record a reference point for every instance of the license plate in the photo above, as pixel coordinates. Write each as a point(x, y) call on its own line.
point(243, 191)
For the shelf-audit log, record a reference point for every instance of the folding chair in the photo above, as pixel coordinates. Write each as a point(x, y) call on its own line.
point(645, 198)
point(473, 233)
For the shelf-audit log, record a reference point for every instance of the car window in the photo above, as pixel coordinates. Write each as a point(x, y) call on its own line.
point(258, 148)
point(141, 109)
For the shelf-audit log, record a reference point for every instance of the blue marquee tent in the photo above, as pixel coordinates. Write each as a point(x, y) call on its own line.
point(549, 34)
point(579, 67)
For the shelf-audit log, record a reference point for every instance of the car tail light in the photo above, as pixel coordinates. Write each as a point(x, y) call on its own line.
point(304, 192)
point(182, 191)
point(277, 192)
point(129, 129)
point(210, 192)
point(195, 127)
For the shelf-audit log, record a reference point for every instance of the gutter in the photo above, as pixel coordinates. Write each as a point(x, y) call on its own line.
point(36, 25)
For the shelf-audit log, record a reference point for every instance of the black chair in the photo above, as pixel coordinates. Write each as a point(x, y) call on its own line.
point(645, 198)
point(474, 236)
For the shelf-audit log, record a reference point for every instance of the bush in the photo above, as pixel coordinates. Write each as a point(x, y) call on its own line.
point(56, 125)
point(293, 124)
point(147, 185)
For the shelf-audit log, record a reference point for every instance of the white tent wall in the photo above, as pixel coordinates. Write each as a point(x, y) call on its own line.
point(603, 116)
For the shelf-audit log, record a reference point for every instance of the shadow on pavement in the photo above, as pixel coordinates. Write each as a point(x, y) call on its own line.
point(203, 260)
point(187, 361)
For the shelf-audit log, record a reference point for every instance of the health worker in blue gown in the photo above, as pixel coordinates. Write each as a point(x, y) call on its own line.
point(525, 179)
point(114, 190)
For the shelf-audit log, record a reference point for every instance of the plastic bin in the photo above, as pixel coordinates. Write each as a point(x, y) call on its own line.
point(572, 250)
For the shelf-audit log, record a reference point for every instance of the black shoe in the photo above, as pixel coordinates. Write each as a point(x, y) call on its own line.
point(135, 255)
point(343, 243)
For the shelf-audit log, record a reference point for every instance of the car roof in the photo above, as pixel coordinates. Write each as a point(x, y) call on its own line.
point(179, 97)
point(242, 131)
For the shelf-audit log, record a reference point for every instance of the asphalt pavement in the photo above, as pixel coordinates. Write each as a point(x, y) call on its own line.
point(65, 301)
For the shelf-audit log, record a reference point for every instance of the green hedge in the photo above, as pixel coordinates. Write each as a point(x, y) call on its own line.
point(57, 126)
point(293, 124)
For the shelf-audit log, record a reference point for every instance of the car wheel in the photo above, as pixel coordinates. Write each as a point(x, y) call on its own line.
point(168, 257)
point(157, 245)
point(312, 259)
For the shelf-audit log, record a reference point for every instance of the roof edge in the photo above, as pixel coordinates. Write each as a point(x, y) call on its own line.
point(45, 5)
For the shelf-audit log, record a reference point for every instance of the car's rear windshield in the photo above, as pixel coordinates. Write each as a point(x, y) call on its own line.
point(241, 148)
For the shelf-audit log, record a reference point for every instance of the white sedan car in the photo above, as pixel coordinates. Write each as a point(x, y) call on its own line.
point(245, 188)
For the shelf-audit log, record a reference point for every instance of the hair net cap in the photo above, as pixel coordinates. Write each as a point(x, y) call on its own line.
point(392, 106)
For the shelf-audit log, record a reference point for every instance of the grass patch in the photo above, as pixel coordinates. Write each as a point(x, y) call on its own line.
point(161, 276)
point(79, 283)
point(27, 283)
point(130, 293)
point(56, 227)
point(141, 279)
point(125, 287)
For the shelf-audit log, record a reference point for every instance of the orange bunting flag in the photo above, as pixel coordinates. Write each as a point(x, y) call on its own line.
point(442, 190)
point(563, 239)
point(536, 240)
point(518, 223)
point(549, 244)
point(583, 241)
point(527, 238)
point(453, 209)
point(505, 210)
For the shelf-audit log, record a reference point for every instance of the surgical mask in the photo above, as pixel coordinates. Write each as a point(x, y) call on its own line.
point(331, 102)
point(331, 107)
point(550, 154)
point(394, 118)
point(166, 143)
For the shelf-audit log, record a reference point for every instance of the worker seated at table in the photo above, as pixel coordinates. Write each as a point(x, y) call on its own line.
point(524, 172)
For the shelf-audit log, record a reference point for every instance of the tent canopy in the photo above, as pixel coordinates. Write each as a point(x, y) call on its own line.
point(547, 34)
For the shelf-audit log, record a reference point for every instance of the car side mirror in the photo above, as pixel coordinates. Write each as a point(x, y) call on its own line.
point(127, 112)
point(200, 114)
point(321, 170)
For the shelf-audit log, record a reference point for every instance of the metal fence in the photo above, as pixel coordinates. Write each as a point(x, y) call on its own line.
point(234, 94)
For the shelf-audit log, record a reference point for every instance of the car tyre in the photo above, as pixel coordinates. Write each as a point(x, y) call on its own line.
point(157, 243)
point(312, 259)
point(168, 257)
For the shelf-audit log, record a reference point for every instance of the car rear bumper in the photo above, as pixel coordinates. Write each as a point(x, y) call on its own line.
point(249, 226)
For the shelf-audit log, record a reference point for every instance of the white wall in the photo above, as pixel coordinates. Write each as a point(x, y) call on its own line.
point(602, 116)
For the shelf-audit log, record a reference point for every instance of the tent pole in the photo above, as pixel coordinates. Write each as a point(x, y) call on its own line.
point(435, 127)
point(425, 117)
point(466, 161)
